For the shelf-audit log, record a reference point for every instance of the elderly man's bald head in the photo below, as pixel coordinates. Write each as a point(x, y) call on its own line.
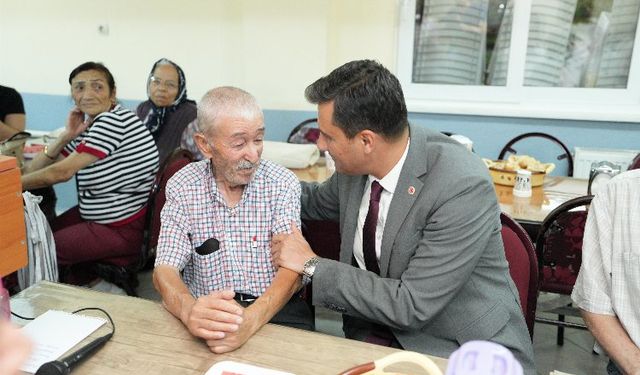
point(226, 101)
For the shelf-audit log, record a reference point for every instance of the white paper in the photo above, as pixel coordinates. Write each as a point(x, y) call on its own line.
point(54, 333)
point(237, 368)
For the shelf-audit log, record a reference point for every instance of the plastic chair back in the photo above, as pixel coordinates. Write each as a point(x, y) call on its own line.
point(559, 246)
point(509, 148)
point(176, 161)
point(121, 271)
point(305, 132)
point(523, 266)
point(635, 164)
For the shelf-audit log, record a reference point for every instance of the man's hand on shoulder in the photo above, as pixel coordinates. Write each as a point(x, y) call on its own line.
point(213, 316)
point(291, 251)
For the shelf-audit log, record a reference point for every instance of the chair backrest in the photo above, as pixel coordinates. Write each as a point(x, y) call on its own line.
point(323, 236)
point(635, 164)
point(178, 159)
point(559, 246)
point(523, 266)
point(305, 132)
point(509, 148)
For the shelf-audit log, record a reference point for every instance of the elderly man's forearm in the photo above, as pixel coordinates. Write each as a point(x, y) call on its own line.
point(615, 340)
point(176, 297)
point(282, 288)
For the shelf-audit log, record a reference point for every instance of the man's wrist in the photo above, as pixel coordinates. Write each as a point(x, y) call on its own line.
point(254, 317)
point(186, 305)
point(308, 269)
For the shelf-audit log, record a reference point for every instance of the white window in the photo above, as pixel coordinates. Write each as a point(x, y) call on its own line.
point(567, 59)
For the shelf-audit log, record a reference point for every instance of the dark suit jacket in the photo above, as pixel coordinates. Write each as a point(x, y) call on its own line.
point(444, 277)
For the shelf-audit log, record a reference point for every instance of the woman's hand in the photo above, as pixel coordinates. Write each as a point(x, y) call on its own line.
point(15, 348)
point(75, 124)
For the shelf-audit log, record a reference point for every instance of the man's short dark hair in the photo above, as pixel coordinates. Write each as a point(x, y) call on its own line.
point(365, 95)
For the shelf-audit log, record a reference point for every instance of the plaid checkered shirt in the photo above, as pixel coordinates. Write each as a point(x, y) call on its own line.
point(196, 211)
point(609, 278)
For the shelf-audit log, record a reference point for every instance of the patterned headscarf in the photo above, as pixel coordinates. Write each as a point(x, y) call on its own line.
point(155, 119)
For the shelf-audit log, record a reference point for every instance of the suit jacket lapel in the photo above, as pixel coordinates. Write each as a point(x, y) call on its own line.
point(356, 189)
point(407, 190)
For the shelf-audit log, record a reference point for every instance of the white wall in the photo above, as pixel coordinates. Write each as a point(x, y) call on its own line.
point(272, 48)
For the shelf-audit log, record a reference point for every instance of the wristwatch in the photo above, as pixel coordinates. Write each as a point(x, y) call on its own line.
point(308, 269)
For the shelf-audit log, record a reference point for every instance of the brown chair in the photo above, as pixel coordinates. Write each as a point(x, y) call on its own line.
point(509, 148)
point(121, 271)
point(559, 251)
point(523, 266)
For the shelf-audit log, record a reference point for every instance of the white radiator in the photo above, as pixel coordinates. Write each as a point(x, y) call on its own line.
point(584, 156)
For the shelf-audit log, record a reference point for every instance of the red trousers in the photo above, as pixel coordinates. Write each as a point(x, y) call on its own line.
point(79, 241)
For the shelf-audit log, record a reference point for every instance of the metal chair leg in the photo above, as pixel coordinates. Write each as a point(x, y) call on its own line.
point(560, 335)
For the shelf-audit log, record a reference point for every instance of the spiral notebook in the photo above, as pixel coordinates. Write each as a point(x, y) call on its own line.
point(54, 333)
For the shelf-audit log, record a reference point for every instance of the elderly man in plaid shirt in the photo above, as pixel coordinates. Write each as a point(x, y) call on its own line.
point(213, 265)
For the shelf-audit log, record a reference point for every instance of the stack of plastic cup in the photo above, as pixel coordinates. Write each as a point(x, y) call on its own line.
point(483, 358)
point(522, 188)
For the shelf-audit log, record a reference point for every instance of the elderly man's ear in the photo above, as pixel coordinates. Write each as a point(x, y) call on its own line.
point(203, 145)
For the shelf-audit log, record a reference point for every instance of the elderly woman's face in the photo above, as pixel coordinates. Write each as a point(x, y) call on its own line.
point(91, 93)
point(163, 86)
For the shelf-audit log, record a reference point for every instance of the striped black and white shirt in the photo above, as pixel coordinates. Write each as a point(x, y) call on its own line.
point(117, 185)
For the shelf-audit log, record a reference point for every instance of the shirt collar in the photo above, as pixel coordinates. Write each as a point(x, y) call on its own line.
point(390, 181)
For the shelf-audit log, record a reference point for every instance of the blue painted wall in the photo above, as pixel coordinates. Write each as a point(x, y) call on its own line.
point(489, 134)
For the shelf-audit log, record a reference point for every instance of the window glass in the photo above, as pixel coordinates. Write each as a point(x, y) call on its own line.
point(455, 42)
point(580, 43)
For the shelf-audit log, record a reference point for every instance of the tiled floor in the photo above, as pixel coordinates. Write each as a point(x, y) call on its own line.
point(574, 357)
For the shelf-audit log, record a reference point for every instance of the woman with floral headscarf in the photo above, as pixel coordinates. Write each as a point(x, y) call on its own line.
point(168, 111)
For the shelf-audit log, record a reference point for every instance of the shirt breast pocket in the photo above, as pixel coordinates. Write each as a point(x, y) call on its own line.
point(208, 267)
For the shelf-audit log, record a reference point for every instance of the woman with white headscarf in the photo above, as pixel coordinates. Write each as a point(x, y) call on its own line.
point(168, 111)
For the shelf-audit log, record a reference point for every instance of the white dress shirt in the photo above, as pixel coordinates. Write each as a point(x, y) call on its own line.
point(388, 183)
point(609, 278)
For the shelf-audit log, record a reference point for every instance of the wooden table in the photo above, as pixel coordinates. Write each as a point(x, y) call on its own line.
point(544, 199)
point(150, 340)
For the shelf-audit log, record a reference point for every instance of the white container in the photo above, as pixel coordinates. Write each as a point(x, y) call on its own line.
point(522, 188)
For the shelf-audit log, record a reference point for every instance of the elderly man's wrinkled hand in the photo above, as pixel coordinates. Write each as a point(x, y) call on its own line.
point(291, 251)
point(215, 315)
point(233, 340)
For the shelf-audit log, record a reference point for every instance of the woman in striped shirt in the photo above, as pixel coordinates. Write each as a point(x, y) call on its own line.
point(114, 159)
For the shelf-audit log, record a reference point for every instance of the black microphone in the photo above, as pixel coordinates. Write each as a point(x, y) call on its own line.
point(64, 365)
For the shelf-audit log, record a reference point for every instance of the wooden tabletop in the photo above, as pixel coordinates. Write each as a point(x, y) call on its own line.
point(554, 191)
point(150, 340)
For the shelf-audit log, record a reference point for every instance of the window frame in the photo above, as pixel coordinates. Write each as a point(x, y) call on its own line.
point(515, 99)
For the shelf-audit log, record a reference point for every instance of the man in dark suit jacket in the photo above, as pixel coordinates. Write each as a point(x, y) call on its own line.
point(427, 271)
